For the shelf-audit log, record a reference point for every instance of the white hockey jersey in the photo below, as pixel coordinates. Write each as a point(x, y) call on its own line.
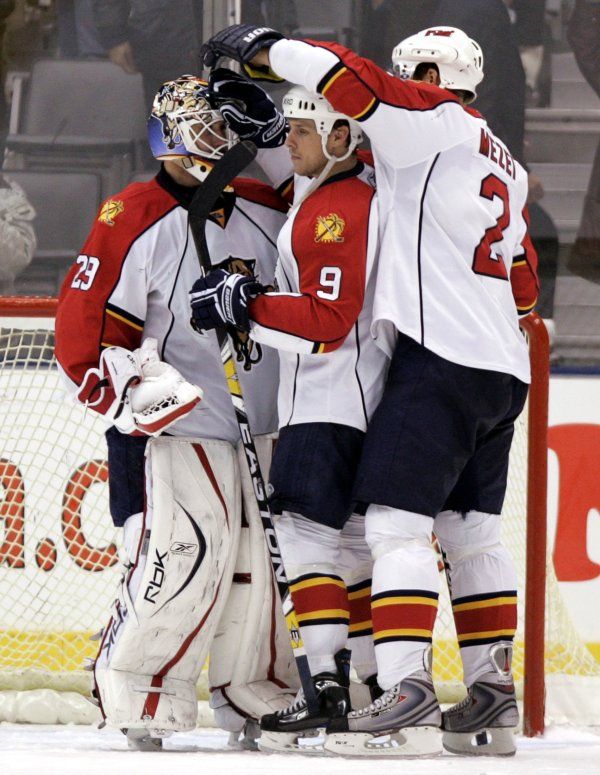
point(330, 368)
point(456, 264)
point(133, 279)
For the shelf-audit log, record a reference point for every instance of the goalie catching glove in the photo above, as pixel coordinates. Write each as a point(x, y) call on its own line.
point(137, 391)
point(241, 42)
point(247, 109)
point(221, 299)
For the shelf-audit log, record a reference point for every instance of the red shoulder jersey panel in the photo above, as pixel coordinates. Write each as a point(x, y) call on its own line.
point(260, 193)
point(523, 274)
point(355, 86)
point(329, 244)
point(84, 295)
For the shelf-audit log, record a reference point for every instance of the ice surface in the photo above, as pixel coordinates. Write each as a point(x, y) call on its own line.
point(45, 750)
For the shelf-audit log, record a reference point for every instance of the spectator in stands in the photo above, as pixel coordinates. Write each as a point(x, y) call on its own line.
point(77, 36)
point(158, 38)
point(532, 32)
point(17, 238)
point(584, 36)
point(279, 14)
point(383, 23)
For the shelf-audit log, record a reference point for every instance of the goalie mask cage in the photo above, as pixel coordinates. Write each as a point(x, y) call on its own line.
point(59, 567)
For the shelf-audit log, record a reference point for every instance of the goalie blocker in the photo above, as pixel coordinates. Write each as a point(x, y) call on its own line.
point(198, 579)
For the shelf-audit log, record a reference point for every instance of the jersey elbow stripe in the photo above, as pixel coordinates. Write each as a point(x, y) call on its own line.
point(124, 317)
point(362, 96)
point(525, 310)
point(367, 112)
point(331, 77)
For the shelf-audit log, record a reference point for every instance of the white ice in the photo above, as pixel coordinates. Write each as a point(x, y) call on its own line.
point(45, 750)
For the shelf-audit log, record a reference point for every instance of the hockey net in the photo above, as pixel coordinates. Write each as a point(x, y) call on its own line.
point(59, 566)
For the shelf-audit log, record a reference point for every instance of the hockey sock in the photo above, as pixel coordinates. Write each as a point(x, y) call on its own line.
point(483, 585)
point(404, 592)
point(356, 567)
point(310, 555)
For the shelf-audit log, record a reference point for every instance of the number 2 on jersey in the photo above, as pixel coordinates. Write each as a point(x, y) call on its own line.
point(485, 261)
point(85, 274)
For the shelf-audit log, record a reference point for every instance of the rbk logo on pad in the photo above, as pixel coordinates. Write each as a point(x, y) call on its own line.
point(179, 547)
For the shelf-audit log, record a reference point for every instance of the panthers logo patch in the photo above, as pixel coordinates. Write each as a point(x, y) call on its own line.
point(110, 209)
point(329, 228)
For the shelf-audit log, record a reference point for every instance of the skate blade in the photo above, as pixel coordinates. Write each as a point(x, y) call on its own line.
point(412, 742)
point(291, 742)
point(499, 741)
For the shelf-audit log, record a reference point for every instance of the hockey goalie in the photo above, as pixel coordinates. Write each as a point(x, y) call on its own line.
point(197, 579)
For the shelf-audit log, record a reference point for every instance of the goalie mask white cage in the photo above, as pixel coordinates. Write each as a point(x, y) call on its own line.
point(59, 567)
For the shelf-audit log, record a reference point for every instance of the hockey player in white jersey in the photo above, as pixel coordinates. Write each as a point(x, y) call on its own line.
point(331, 379)
point(197, 574)
point(456, 270)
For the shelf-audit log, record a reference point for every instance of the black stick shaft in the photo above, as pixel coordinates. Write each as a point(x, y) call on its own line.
point(232, 163)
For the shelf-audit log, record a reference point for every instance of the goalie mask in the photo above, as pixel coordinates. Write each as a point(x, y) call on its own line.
point(183, 127)
point(301, 103)
point(459, 59)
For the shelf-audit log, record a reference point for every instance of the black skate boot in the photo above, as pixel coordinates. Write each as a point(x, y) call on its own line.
point(284, 730)
point(374, 689)
point(483, 723)
point(403, 721)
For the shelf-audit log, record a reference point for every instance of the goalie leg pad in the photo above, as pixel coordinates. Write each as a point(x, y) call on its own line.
point(252, 670)
point(172, 595)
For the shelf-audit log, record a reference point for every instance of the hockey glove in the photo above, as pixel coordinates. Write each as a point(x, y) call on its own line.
point(221, 299)
point(247, 109)
point(241, 42)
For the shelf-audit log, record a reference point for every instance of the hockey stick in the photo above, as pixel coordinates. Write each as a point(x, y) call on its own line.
point(231, 164)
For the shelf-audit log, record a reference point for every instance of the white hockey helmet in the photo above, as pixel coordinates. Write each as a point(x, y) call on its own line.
point(182, 126)
point(458, 57)
point(301, 103)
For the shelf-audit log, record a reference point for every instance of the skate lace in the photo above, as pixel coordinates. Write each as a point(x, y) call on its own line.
point(387, 698)
point(298, 704)
point(465, 702)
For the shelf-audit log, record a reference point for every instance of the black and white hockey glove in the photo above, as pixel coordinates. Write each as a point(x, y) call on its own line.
point(247, 109)
point(241, 42)
point(221, 299)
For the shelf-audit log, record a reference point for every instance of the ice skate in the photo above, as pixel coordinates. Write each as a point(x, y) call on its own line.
point(404, 721)
point(483, 723)
point(286, 729)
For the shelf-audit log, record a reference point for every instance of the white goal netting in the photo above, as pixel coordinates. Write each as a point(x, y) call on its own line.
point(59, 565)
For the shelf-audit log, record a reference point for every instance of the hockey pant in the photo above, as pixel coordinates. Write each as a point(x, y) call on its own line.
point(195, 576)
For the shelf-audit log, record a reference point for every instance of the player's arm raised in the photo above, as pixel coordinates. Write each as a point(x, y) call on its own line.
point(432, 119)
